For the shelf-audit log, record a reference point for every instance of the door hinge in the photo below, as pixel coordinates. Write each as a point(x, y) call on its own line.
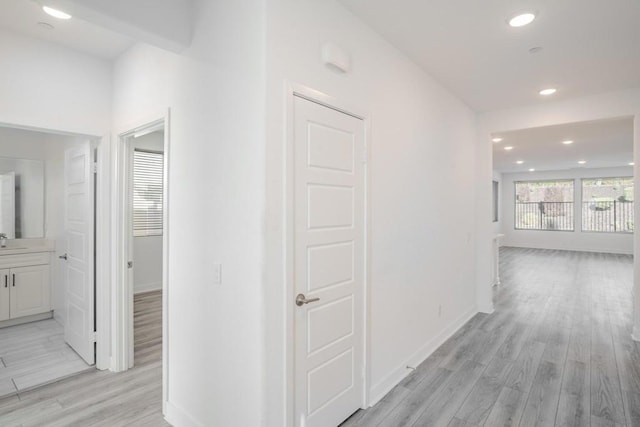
point(130, 264)
point(94, 336)
point(95, 167)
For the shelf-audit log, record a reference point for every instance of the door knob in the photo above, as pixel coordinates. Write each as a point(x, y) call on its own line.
point(302, 300)
point(64, 257)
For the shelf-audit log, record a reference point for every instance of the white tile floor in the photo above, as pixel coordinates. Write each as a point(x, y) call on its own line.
point(34, 354)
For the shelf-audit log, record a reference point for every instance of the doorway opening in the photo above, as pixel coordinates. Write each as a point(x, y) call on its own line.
point(565, 187)
point(47, 256)
point(141, 250)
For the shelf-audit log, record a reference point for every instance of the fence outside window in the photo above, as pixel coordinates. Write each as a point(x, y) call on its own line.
point(607, 205)
point(544, 205)
point(544, 216)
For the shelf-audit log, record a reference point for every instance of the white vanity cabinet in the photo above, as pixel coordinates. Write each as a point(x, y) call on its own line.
point(25, 285)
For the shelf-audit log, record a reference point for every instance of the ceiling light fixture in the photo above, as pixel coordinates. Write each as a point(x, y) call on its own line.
point(631, 163)
point(56, 13)
point(582, 162)
point(508, 148)
point(567, 142)
point(522, 19)
point(532, 170)
point(520, 162)
point(497, 139)
point(547, 92)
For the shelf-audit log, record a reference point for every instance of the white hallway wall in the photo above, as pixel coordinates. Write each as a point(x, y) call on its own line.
point(216, 184)
point(422, 222)
point(576, 240)
point(147, 250)
point(47, 86)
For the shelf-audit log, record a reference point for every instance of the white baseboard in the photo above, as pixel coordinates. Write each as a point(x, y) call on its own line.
point(487, 310)
point(58, 317)
point(147, 287)
point(379, 390)
point(177, 417)
point(26, 319)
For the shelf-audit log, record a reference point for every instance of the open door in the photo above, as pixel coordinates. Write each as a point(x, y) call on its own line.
point(8, 204)
point(79, 236)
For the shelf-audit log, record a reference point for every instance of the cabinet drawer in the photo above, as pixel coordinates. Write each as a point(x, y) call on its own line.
point(23, 260)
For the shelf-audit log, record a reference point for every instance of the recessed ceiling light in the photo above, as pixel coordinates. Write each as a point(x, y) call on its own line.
point(567, 142)
point(520, 162)
point(631, 163)
point(508, 148)
point(582, 162)
point(547, 92)
point(56, 13)
point(497, 139)
point(532, 170)
point(522, 19)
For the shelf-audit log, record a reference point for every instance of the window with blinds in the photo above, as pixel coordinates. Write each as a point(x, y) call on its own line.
point(147, 193)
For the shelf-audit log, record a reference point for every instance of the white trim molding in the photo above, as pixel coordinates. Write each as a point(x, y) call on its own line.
point(393, 378)
point(178, 417)
point(121, 239)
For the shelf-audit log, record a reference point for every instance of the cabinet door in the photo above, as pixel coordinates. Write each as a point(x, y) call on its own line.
point(30, 292)
point(4, 294)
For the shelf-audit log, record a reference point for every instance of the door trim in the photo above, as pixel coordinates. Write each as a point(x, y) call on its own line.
point(101, 242)
point(293, 90)
point(122, 296)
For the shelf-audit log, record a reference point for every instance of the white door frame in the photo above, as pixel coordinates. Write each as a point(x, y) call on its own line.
point(122, 295)
point(101, 244)
point(293, 90)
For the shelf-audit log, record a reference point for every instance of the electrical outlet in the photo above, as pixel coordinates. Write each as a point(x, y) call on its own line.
point(217, 274)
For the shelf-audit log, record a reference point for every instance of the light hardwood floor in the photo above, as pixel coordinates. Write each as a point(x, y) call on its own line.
point(34, 354)
point(556, 351)
point(100, 398)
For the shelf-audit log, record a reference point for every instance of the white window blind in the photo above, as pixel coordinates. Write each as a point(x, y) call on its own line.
point(147, 193)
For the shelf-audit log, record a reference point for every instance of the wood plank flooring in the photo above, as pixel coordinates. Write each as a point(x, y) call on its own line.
point(102, 398)
point(557, 351)
point(33, 354)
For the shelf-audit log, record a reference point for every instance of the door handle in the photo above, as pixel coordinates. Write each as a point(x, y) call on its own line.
point(14, 280)
point(302, 300)
point(6, 280)
point(64, 257)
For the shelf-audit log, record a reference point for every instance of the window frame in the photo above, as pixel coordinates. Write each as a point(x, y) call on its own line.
point(153, 232)
point(496, 200)
point(582, 230)
point(515, 202)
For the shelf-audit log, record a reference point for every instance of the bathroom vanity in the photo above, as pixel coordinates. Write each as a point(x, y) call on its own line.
point(25, 283)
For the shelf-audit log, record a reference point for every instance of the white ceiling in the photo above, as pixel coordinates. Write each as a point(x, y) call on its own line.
point(589, 46)
point(602, 143)
point(22, 16)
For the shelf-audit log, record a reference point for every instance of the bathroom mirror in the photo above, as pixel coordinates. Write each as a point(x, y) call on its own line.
point(21, 198)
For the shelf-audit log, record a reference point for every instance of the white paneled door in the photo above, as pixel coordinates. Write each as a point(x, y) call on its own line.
point(78, 269)
point(329, 263)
